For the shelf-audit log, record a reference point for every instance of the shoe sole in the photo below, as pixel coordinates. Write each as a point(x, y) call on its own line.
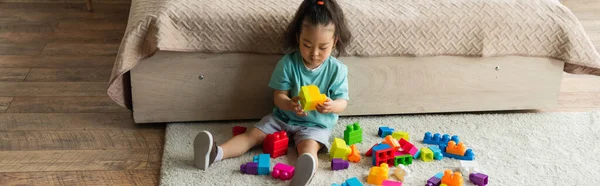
point(304, 171)
point(203, 144)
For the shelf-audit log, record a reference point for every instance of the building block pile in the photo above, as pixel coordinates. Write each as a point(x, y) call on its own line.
point(391, 150)
point(260, 165)
point(276, 144)
point(447, 146)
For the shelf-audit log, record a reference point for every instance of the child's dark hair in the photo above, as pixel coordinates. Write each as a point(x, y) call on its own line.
point(318, 12)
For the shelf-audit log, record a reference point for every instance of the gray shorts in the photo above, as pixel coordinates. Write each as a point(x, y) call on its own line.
point(270, 125)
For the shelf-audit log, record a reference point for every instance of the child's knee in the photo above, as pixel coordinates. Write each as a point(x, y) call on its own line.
point(256, 135)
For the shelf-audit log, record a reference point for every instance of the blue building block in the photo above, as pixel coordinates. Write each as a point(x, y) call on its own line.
point(384, 131)
point(437, 140)
point(264, 163)
point(353, 182)
point(439, 175)
point(417, 154)
point(437, 152)
point(468, 154)
point(349, 182)
point(378, 148)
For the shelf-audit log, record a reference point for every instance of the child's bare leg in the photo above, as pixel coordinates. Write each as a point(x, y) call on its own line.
point(309, 146)
point(306, 165)
point(241, 143)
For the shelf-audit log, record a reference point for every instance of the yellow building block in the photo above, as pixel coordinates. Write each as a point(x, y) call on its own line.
point(378, 174)
point(310, 96)
point(339, 149)
point(400, 134)
point(426, 154)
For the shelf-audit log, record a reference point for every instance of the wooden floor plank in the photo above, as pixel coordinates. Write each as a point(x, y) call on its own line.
point(56, 61)
point(99, 25)
point(63, 12)
point(13, 74)
point(73, 160)
point(80, 49)
point(155, 158)
point(12, 89)
point(10, 48)
point(57, 104)
point(23, 26)
point(81, 140)
point(69, 121)
point(69, 74)
point(129, 177)
point(103, 37)
point(4, 103)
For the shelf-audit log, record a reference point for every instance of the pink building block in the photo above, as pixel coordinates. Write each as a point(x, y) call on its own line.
point(408, 147)
point(391, 183)
point(282, 171)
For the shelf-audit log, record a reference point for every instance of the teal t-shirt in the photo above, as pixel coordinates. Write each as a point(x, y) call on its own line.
point(290, 74)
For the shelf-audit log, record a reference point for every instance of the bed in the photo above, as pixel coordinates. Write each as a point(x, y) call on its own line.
point(211, 60)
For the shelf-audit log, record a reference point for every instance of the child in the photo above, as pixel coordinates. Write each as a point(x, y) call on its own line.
point(318, 28)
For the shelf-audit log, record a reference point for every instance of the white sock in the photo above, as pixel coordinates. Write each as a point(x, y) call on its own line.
point(219, 153)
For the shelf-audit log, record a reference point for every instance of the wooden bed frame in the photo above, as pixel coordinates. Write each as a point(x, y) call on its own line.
point(179, 86)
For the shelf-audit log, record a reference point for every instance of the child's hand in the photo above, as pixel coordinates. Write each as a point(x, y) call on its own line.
point(326, 107)
point(295, 106)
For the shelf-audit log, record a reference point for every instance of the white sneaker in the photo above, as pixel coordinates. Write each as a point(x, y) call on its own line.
point(306, 166)
point(205, 150)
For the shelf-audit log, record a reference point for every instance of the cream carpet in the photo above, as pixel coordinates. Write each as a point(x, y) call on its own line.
point(513, 149)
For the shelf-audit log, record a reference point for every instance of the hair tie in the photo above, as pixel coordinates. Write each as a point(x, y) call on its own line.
point(320, 2)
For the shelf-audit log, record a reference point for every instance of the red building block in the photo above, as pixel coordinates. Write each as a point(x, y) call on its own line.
point(408, 147)
point(276, 144)
point(370, 151)
point(238, 130)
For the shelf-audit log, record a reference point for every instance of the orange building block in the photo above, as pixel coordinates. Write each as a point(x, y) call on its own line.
point(459, 149)
point(354, 155)
point(310, 96)
point(392, 142)
point(452, 179)
point(378, 174)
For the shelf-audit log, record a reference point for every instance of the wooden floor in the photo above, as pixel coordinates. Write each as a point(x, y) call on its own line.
point(58, 127)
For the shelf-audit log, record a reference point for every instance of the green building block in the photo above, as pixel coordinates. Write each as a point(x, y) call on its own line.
point(403, 159)
point(353, 134)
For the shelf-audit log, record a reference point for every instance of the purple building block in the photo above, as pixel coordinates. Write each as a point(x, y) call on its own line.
point(479, 179)
point(339, 164)
point(434, 181)
point(249, 168)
